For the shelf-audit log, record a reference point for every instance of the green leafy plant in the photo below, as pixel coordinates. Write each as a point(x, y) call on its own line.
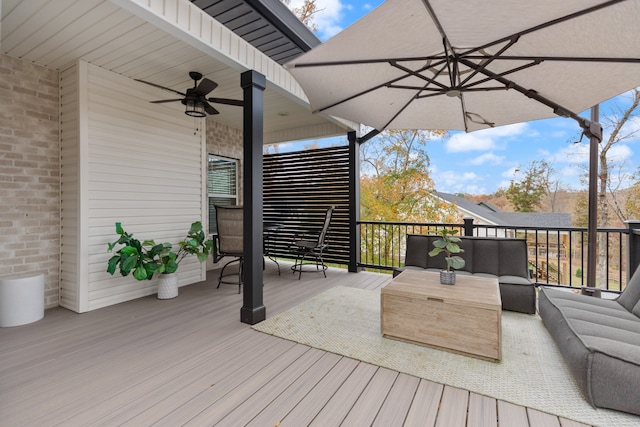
point(448, 243)
point(146, 258)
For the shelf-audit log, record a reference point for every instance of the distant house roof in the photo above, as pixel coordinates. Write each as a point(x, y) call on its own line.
point(495, 216)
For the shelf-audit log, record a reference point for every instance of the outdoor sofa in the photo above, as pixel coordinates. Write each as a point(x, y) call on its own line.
point(600, 342)
point(503, 258)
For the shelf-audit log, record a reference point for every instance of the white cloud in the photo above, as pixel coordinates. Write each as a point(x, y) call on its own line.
point(455, 182)
point(571, 154)
point(619, 153)
point(579, 154)
point(329, 14)
point(488, 158)
point(484, 140)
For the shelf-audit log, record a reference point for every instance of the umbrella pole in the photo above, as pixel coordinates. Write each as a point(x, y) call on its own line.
point(594, 132)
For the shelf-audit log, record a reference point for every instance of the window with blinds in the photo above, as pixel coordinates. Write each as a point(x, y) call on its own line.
point(222, 185)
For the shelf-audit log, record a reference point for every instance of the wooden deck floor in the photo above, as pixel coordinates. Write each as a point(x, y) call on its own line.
point(189, 361)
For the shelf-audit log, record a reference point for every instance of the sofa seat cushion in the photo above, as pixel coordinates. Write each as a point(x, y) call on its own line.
point(489, 275)
point(515, 280)
point(615, 341)
point(567, 300)
point(600, 342)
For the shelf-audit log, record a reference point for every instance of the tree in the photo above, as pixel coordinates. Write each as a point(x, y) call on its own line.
point(632, 204)
point(581, 210)
point(305, 12)
point(395, 184)
point(526, 194)
point(617, 123)
point(552, 188)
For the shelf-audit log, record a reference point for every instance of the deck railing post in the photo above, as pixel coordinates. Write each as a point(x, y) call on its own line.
point(468, 226)
point(634, 246)
point(354, 202)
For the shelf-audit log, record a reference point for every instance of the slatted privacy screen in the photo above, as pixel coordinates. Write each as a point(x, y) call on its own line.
point(298, 189)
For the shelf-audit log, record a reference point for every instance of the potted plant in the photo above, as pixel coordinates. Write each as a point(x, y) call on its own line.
point(146, 258)
point(448, 243)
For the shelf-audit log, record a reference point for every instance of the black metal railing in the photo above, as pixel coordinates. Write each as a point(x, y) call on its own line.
point(557, 255)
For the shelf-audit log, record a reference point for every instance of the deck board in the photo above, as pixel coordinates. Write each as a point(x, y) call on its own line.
point(482, 411)
point(425, 405)
point(365, 409)
point(396, 406)
point(512, 415)
point(453, 408)
point(191, 361)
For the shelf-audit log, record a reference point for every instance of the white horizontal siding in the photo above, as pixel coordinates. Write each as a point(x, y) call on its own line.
point(123, 160)
point(146, 171)
point(69, 190)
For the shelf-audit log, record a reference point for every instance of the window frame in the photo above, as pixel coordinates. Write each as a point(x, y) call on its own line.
point(233, 198)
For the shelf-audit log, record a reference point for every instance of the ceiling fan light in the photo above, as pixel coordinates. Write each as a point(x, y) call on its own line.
point(194, 108)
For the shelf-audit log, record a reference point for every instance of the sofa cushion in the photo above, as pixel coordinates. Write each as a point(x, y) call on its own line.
point(513, 258)
point(520, 298)
point(416, 252)
point(567, 299)
point(631, 294)
point(514, 280)
point(600, 342)
point(467, 255)
point(636, 310)
point(486, 254)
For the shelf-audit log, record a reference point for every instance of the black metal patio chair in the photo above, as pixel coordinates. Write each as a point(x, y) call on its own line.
point(310, 246)
point(229, 242)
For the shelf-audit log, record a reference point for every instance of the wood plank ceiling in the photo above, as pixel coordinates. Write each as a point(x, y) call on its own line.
point(254, 22)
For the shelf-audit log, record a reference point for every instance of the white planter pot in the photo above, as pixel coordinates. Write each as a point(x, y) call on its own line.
point(21, 300)
point(168, 286)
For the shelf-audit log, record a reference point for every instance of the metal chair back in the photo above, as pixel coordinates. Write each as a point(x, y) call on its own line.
point(229, 222)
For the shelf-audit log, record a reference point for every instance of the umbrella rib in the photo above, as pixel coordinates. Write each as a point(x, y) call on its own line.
point(489, 60)
point(364, 92)
point(365, 61)
point(480, 89)
point(543, 25)
point(420, 76)
point(529, 93)
point(504, 73)
point(448, 48)
point(416, 96)
point(559, 58)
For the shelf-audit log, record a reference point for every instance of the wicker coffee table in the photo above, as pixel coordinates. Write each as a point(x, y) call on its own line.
point(464, 318)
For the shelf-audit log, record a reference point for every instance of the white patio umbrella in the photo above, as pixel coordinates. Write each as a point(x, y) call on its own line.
point(471, 64)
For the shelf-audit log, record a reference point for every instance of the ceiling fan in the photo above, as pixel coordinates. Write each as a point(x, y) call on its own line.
point(195, 99)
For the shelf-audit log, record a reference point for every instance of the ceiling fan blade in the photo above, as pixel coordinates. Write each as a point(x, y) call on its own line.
point(162, 101)
point(209, 109)
point(227, 101)
point(206, 86)
point(160, 87)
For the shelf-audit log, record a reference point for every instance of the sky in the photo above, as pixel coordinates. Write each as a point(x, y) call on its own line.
point(482, 162)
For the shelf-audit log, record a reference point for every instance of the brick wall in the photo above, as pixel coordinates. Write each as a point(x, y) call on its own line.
point(226, 141)
point(29, 173)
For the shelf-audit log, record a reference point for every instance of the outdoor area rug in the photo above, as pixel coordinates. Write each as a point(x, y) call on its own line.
point(532, 373)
